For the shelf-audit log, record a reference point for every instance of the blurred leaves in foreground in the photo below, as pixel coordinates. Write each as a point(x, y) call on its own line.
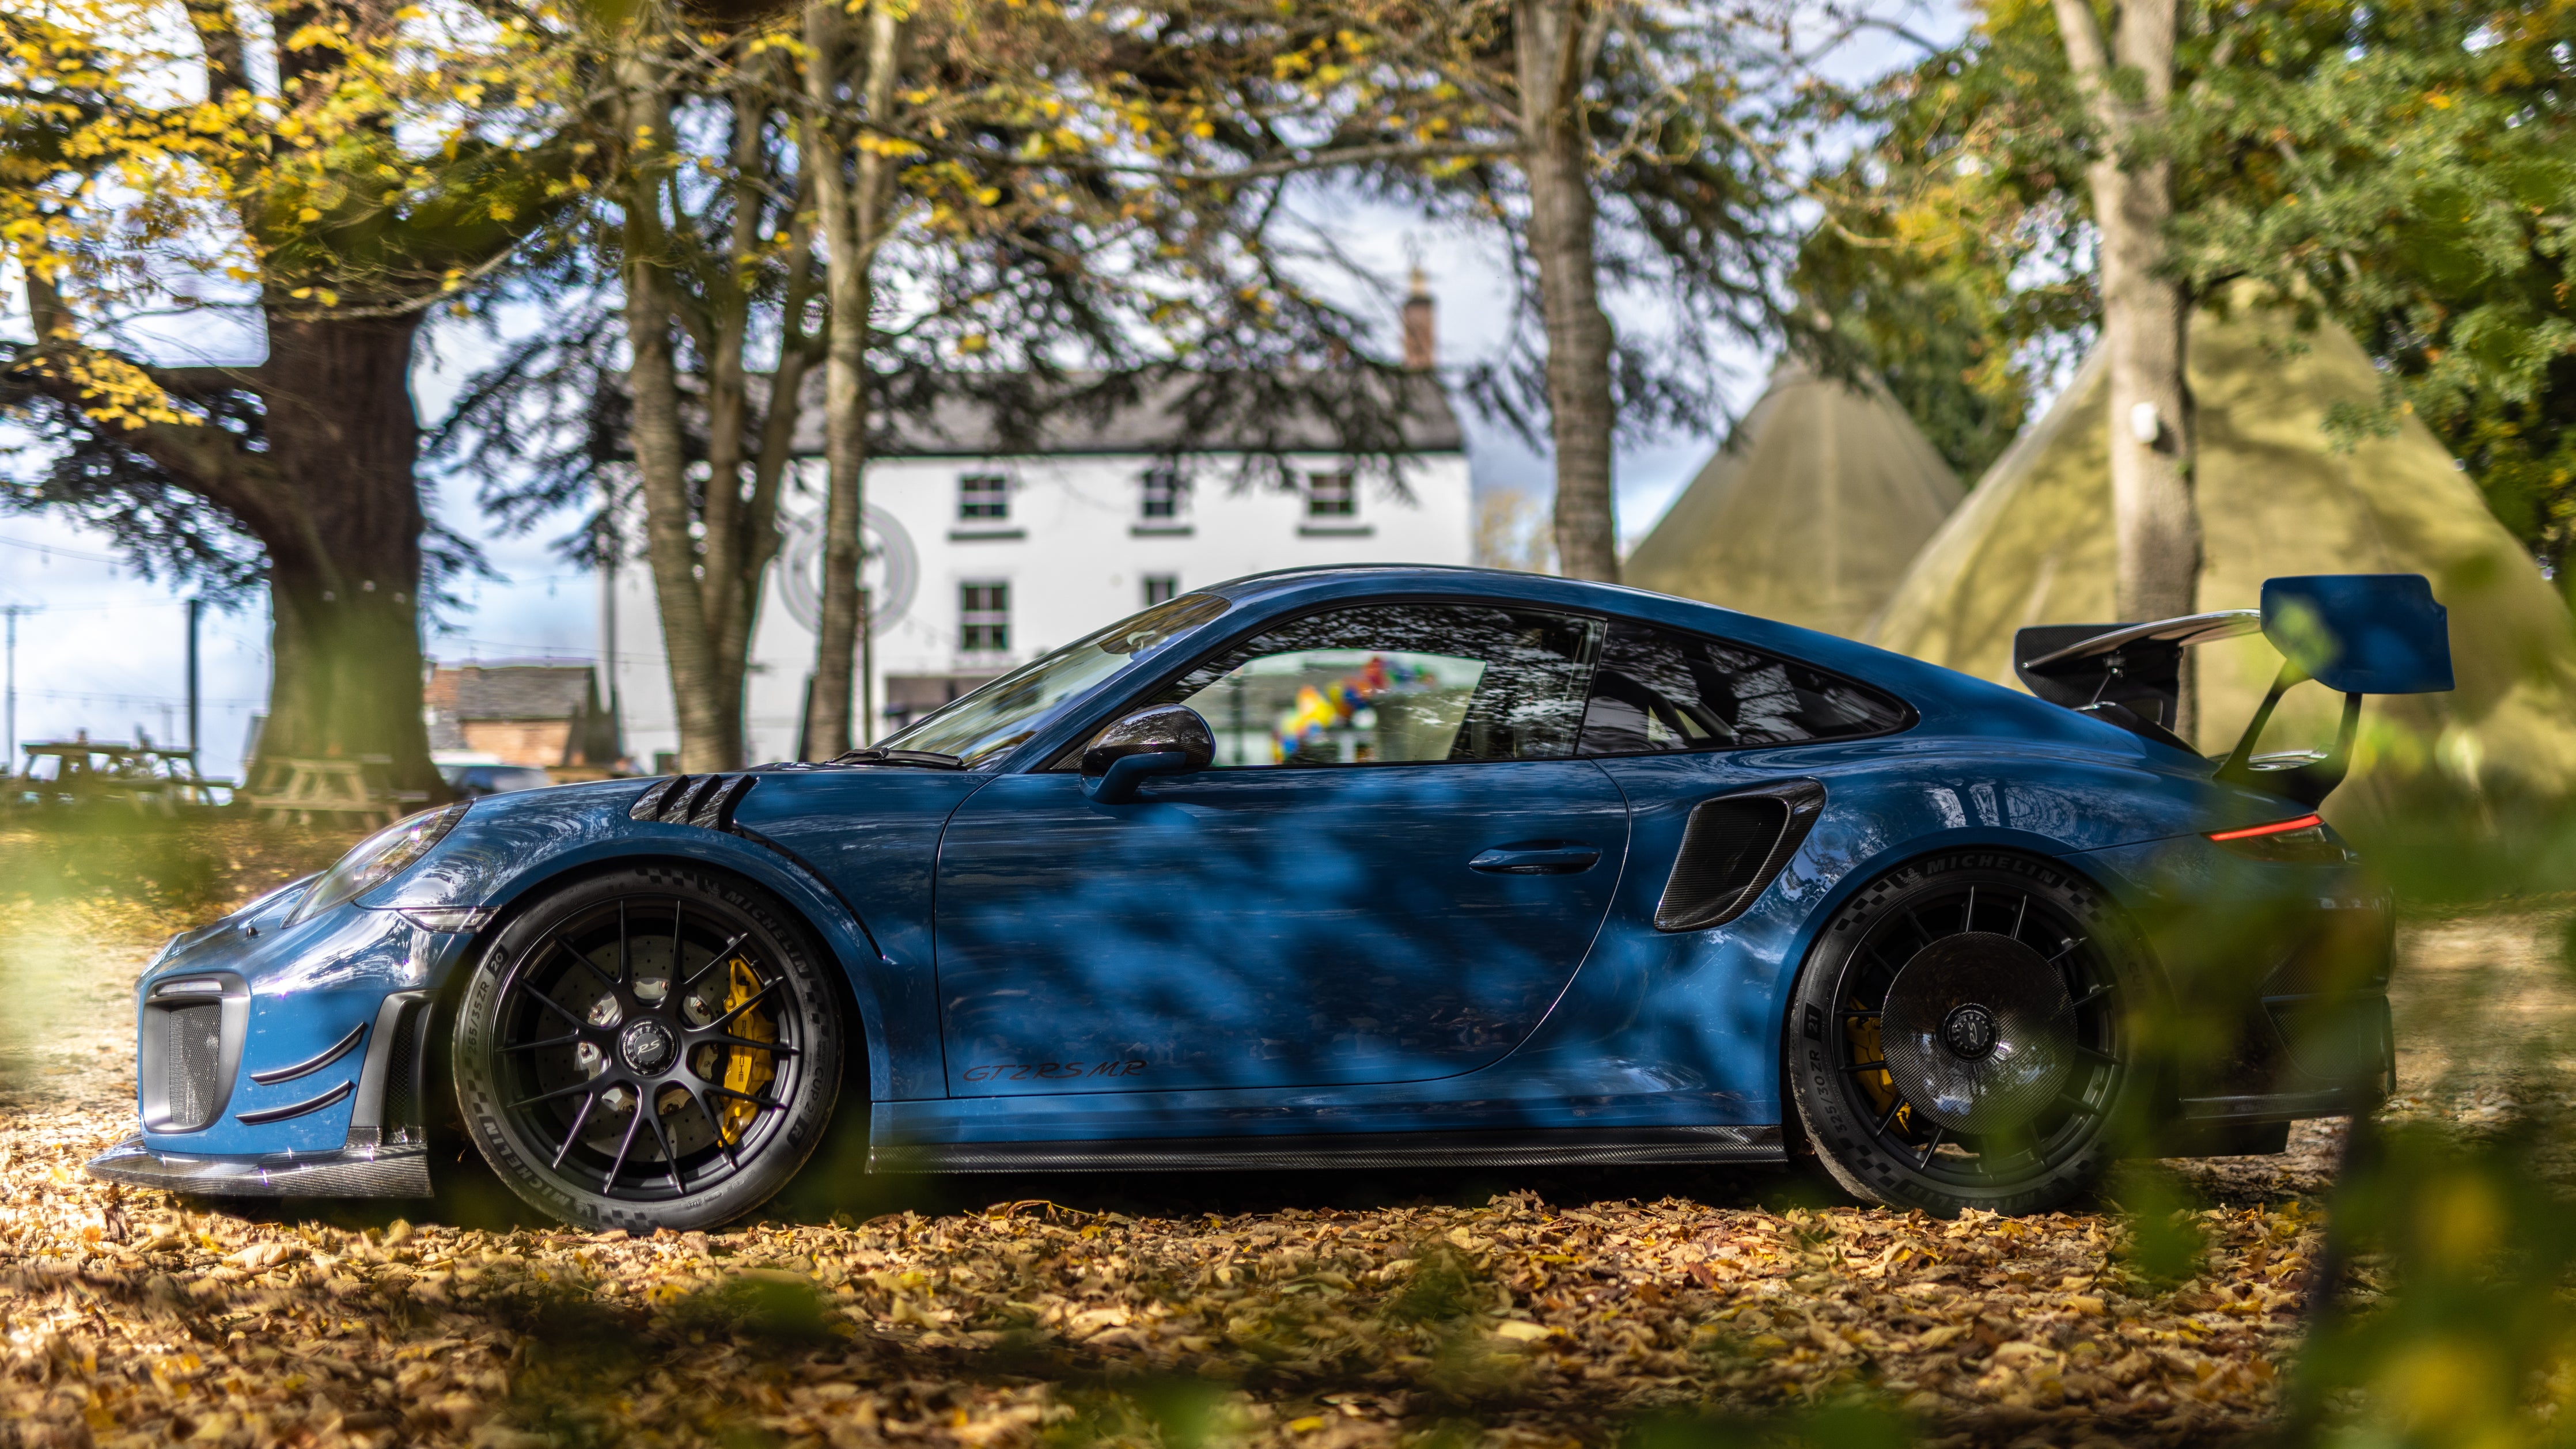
point(137, 878)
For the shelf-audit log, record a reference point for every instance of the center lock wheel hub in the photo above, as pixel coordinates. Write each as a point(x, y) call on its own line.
point(647, 1046)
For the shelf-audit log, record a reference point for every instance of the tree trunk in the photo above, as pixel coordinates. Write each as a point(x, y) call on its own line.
point(1553, 47)
point(707, 698)
point(344, 555)
point(852, 221)
point(2145, 314)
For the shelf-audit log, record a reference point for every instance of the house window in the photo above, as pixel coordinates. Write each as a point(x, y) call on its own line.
point(1160, 588)
point(983, 497)
point(984, 612)
point(1331, 495)
point(1165, 491)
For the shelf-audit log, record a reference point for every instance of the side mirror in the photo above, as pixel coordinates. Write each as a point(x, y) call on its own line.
point(1168, 739)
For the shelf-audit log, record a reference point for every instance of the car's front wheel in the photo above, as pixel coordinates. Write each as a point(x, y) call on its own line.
point(1964, 1035)
point(654, 1047)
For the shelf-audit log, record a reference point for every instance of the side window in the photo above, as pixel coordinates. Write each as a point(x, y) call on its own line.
point(1658, 691)
point(1384, 684)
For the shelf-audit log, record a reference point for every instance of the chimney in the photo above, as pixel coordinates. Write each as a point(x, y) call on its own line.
point(1418, 336)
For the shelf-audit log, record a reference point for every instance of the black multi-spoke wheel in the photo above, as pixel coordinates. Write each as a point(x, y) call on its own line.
point(1962, 1035)
point(653, 1048)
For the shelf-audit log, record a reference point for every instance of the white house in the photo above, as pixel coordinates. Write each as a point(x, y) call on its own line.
point(979, 562)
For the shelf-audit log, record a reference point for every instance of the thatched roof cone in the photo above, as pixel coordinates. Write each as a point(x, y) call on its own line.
point(2033, 545)
point(1808, 513)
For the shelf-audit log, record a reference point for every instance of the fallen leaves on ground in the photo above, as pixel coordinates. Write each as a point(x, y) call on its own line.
point(135, 1318)
point(1562, 1318)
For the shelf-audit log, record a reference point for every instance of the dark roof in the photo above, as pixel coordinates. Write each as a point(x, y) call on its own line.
point(512, 691)
point(1235, 415)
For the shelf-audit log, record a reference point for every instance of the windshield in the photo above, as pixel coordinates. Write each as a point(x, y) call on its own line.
point(1009, 710)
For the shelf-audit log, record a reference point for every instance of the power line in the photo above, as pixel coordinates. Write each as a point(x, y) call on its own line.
point(93, 697)
point(566, 651)
point(53, 548)
point(54, 608)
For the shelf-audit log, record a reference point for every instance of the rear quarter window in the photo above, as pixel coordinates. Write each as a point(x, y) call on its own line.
point(1660, 691)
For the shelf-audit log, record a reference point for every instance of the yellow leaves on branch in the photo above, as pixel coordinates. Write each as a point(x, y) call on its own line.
point(145, 156)
point(113, 390)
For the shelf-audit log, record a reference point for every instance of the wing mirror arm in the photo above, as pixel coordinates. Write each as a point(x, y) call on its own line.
point(1118, 784)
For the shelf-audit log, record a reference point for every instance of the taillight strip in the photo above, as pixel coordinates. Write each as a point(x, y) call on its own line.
point(2277, 827)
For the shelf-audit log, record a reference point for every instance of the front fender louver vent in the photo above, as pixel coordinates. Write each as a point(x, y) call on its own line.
point(705, 801)
point(1732, 849)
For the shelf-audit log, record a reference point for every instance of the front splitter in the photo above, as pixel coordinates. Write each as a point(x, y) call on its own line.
point(353, 1171)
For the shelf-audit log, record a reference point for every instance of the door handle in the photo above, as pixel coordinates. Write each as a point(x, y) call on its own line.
point(1542, 859)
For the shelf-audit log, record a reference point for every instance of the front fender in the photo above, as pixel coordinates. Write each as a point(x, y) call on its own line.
point(517, 856)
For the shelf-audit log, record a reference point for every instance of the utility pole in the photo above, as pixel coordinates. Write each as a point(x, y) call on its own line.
point(195, 606)
point(9, 765)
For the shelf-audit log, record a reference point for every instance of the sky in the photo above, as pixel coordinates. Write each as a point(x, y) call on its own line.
point(104, 650)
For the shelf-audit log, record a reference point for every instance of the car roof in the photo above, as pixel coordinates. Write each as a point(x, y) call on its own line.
point(1506, 585)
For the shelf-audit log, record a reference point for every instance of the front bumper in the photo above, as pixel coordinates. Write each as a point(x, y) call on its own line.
point(383, 1152)
point(277, 1060)
point(357, 1170)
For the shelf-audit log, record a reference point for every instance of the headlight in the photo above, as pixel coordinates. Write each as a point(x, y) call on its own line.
point(377, 859)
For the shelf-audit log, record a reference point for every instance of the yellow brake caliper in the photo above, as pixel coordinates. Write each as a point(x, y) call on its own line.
point(747, 1069)
point(1862, 1033)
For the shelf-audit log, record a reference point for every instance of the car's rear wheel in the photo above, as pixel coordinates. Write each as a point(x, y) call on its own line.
point(655, 1047)
point(1964, 1035)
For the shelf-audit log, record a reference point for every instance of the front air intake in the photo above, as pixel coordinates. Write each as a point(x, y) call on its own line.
point(1732, 848)
point(192, 1055)
point(191, 1046)
point(403, 1115)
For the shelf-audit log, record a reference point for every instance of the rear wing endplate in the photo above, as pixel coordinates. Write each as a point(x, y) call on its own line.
point(2356, 633)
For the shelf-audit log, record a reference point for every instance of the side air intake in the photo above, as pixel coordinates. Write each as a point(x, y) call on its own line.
point(1732, 849)
point(705, 801)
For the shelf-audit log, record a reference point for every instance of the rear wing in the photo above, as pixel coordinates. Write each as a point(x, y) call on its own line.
point(2356, 633)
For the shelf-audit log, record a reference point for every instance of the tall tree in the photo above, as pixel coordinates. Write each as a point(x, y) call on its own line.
point(853, 188)
point(332, 173)
point(2126, 76)
point(701, 255)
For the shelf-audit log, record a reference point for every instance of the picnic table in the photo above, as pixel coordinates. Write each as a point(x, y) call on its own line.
point(359, 791)
point(82, 772)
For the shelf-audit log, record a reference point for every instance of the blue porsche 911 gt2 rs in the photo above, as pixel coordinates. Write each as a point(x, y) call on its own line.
point(1346, 867)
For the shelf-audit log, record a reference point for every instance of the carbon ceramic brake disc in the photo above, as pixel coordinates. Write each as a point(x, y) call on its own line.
point(1978, 1032)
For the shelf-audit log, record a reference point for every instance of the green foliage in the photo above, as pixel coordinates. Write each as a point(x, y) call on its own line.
point(1841, 1424)
point(2412, 167)
point(760, 1303)
point(1936, 333)
point(1443, 1287)
point(2163, 1246)
point(2469, 1244)
point(2408, 172)
point(1166, 1413)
